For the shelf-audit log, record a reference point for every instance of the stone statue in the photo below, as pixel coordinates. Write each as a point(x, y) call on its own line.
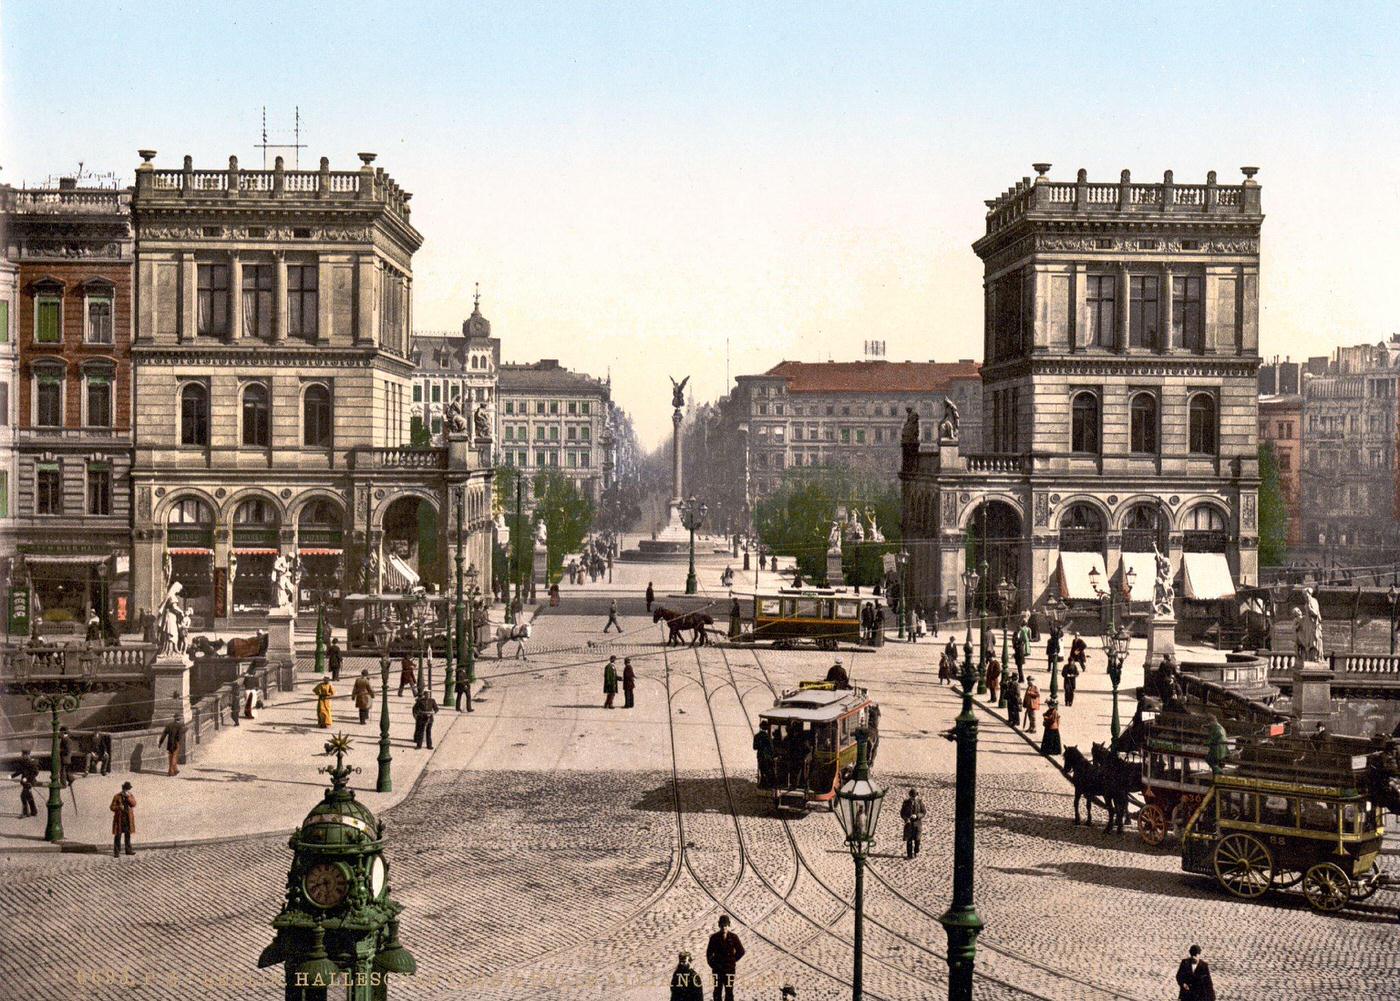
point(174, 623)
point(541, 534)
point(1163, 593)
point(283, 580)
point(454, 419)
point(874, 534)
point(909, 435)
point(678, 392)
point(1307, 628)
point(481, 422)
point(833, 537)
point(948, 430)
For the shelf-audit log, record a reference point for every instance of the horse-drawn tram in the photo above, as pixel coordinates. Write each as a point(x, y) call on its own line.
point(824, 616)
point(813, 739)
point(363, 613)
point(1293, 810)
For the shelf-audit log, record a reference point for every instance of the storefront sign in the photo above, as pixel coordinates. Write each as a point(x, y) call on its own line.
point(19, 612)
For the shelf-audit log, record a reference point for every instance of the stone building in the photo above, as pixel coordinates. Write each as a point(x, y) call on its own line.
point(549, 417)
point(273, 382)
point(66, 394)
point(1281, 425)
point(1119, 389)
point(9, 414)
point(1350, 422)
point(460, 367)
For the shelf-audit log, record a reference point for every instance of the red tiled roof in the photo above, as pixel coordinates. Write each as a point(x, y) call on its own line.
point(872, 376)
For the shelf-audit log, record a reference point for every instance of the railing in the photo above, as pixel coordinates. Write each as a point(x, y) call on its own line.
point(402, 457)
point(63, 201)
point(997, 462)
point(49, 662)
point(1376, 666)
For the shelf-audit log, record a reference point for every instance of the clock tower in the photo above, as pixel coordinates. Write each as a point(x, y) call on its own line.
point(338, 932)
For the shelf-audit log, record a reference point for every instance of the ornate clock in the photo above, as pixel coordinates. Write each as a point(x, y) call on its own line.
point(326, 884)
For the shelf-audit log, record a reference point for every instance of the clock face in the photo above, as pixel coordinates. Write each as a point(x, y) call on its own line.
point(326, 884)
point(377, 873)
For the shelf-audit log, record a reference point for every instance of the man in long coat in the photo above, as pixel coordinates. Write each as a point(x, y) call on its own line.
point(123, 819)
point(334, 658)
point(763, 750)
point(609, 682)
point(723, 954)
point(324, 692)
point(408, 678)
point(629, 683)
point(363, 694)
point(911, 811)
point(425, 707)
point(651, 595)
point(170, 738)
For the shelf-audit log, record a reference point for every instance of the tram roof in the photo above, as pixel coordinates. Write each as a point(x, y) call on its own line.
point(817, 705)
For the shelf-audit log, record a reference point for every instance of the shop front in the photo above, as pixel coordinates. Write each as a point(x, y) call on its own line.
point(321, 554)
point(255, 550)
point(189, 558)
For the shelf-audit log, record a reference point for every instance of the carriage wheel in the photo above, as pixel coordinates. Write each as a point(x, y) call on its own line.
point(1284, 878)
point(1152, 825)
point(1327, 887)
point(1365, 887)
point(1243, 865)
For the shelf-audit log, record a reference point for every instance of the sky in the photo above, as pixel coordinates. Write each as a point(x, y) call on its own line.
point(658, 189)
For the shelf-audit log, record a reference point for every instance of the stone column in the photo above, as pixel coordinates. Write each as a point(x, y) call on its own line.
point(235, 293)
point(189, 296)
point(1165, 311)
point(279, 296)
point(676, 485)
point(1124, 309)
point(835, 576)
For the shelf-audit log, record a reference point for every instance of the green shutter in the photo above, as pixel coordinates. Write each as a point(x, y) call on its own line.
point(4, 494)
point(48, 321)
point(98, 378)
point(4, 321)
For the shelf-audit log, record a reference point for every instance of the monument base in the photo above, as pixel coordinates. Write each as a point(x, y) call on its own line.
point(281, 636)
point(539, 572)
point(1161, 639)
point(1312, 696)
point(170, 689)
point(835, 575)
point(671, 545)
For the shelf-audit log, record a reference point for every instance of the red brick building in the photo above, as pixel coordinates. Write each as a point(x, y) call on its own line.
point(1281, 424)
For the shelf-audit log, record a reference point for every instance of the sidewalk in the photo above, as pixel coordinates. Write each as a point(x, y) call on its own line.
point(250, 781)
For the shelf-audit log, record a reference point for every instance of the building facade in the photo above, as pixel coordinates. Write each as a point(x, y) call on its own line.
point(1281, 425)
point(452, 367)
point(273, 381)
point(1119, 390)
point(67, 396)
point(9, 375)
point(1350, 509)
point(549, 417)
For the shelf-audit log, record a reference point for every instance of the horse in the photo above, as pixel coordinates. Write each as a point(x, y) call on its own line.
point(679, 622)
point(203, 646)
point(248, 646)
point(1092, 781)
point(1119, 773)
point(520, 632)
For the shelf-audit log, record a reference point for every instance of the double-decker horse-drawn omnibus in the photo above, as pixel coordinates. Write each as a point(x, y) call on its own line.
point(821, 615)
point(814, 737)
point(1294, 810)
point(364, 612)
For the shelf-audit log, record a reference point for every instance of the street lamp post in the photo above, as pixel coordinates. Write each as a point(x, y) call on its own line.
point(454, 652)
point(982, 633)
point(970, 579)
point(383, 783)
point(692, 516)
point(1392, 595)
point(961, 921)
point(858, 809)
point(1115, 642)
point(516, 542)
point(1050, 739)
point(902, 560)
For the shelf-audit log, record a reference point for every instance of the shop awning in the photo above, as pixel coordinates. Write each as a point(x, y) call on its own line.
point(400, 574)
point(1074, 576)
point(70, 558)
point(308, 551)
point(256, 551)
point(1207, 576)
point(190, 551)
point(1144, 567)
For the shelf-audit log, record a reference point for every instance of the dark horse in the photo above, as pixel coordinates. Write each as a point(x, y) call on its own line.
point(1119, 772)
point(679, 622)
point(1091, 781)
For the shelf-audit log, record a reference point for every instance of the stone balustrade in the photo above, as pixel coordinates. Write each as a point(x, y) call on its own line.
point(1362, 667)
point(997, 462)
point(400, 457)
point(65, 201)
point(48, 662)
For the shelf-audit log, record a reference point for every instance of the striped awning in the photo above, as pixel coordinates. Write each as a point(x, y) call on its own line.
point(191, 551)
point(1207, 576)
point(71, 558)
point(1074, 576)
point(256, 551)
point(1144, 567)
point(309, 551)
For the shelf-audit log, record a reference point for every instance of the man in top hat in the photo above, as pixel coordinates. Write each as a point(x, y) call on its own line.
point(123, 819)
point(723, 954)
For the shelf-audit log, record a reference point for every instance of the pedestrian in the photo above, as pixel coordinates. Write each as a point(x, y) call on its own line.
point(763, 750)
point(1193, 977)
point(408, 678)
point(609, 682)
point(799, 752)
point(1052, 643)
point(99, 755)
point(651, 595)
point(252, 696)
point(425, 707)
point(1031, 701)
point(911, 811)
point(629, 683)
point(27, 771)
point(945, 669)
point(1052, 719)
point(951, 652)
point(735, 616)
point(123, 819)
point(1078, 652)
point(464, 691)
point(65, 756)
point(1071, 676)
point(363, 695)
point(612, 617)
point(993, 679)
point(837, 677)
point(723, 954)
point(171, 738)
point(1021, 645)
point(686, 984)
point(1011, 688)
point(867, 623)
point(780, 757)
point(334, 659)
point(324, 692)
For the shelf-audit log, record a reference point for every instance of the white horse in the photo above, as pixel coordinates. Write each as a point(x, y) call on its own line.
point(520, 632)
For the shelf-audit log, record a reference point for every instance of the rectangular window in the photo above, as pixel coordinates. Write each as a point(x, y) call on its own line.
point(48, 487)
point(48, 408)
point(779, 433)
point(573, 434)
point(587, 433)
point(585, 458)
point(584, 406)
point(522, 458)
point(1100, 302)
point(845, 436)
point(4, 493)
point(539, 432)
point(4, 404)
point(437, 393)
point(99, 490)
point(553, 434)
point(1285, 462)
point(539, 406)
point(417, 393)
point(48, 324)
point(510, 406)
point(554, 406)
point(860, 436)
point(213, 299)
point(573, 406)
point(539, 457)
point(99, 321)
point(1187, 323)
point(99, 401)
point(4, 321)
point(510, 458)
point(1142, 311)
point(302, 300)
point(257, 301)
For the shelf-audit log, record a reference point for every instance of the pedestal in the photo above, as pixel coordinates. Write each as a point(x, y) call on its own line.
point(539, 571)
point(281, 637)
point(170, 689)
point(1161, 640)
point(1312, 695)
point(835, 576)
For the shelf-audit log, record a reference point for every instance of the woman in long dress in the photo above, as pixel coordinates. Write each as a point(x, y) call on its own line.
point(324, 693)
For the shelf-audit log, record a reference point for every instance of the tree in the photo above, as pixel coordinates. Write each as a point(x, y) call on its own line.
point(419, 436)
point(566, 513)
point(1273, 510)
point(795, 520)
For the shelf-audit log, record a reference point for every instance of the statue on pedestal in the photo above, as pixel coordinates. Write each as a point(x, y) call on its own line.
point(1307, 629)
point(453, 417)
point(875, 535)
point(909, 434)
point(948, 430)
point(833, 537)
point(541, 535)
point(678, 392)
point(283, 579)
point(174, 623)
point(481, 422)
point(1163, 593)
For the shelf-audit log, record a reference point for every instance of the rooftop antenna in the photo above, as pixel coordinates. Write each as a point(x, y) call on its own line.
point(296, 145)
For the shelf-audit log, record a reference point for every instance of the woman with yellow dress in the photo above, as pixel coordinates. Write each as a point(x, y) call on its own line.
point(324, 692)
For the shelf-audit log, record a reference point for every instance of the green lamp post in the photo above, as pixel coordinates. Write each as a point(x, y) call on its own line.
point(320, 637)
point(971, 579)
point(462, 646)
point(1050, 739)
point(692, 516)
point(466, 637)
point(858, 810)
point(961, 921)
point(338, 930)
point(55, 703)
point(384, 782)
point(1115, 642)
point(1006, 594)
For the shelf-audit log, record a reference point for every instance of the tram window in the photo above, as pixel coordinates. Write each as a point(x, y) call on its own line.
point(1236, 806)
point(808, 608)
point(1351, 819)
point(846, 610)
point(1317, 815)
point(825, 734)
point(1277, 811)
point(789, 605)
point(768, 606)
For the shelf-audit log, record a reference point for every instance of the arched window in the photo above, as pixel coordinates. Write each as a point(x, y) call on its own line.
point(194, 414)
point(1204, 518)
point(316, 417)
point(1143, 423)
point(190, 511)
point(1082, 529)
point(256, 415)
point(1084, 426)
point(1204, 426)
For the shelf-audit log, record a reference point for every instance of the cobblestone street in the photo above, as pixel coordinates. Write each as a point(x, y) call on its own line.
point(552, 848)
